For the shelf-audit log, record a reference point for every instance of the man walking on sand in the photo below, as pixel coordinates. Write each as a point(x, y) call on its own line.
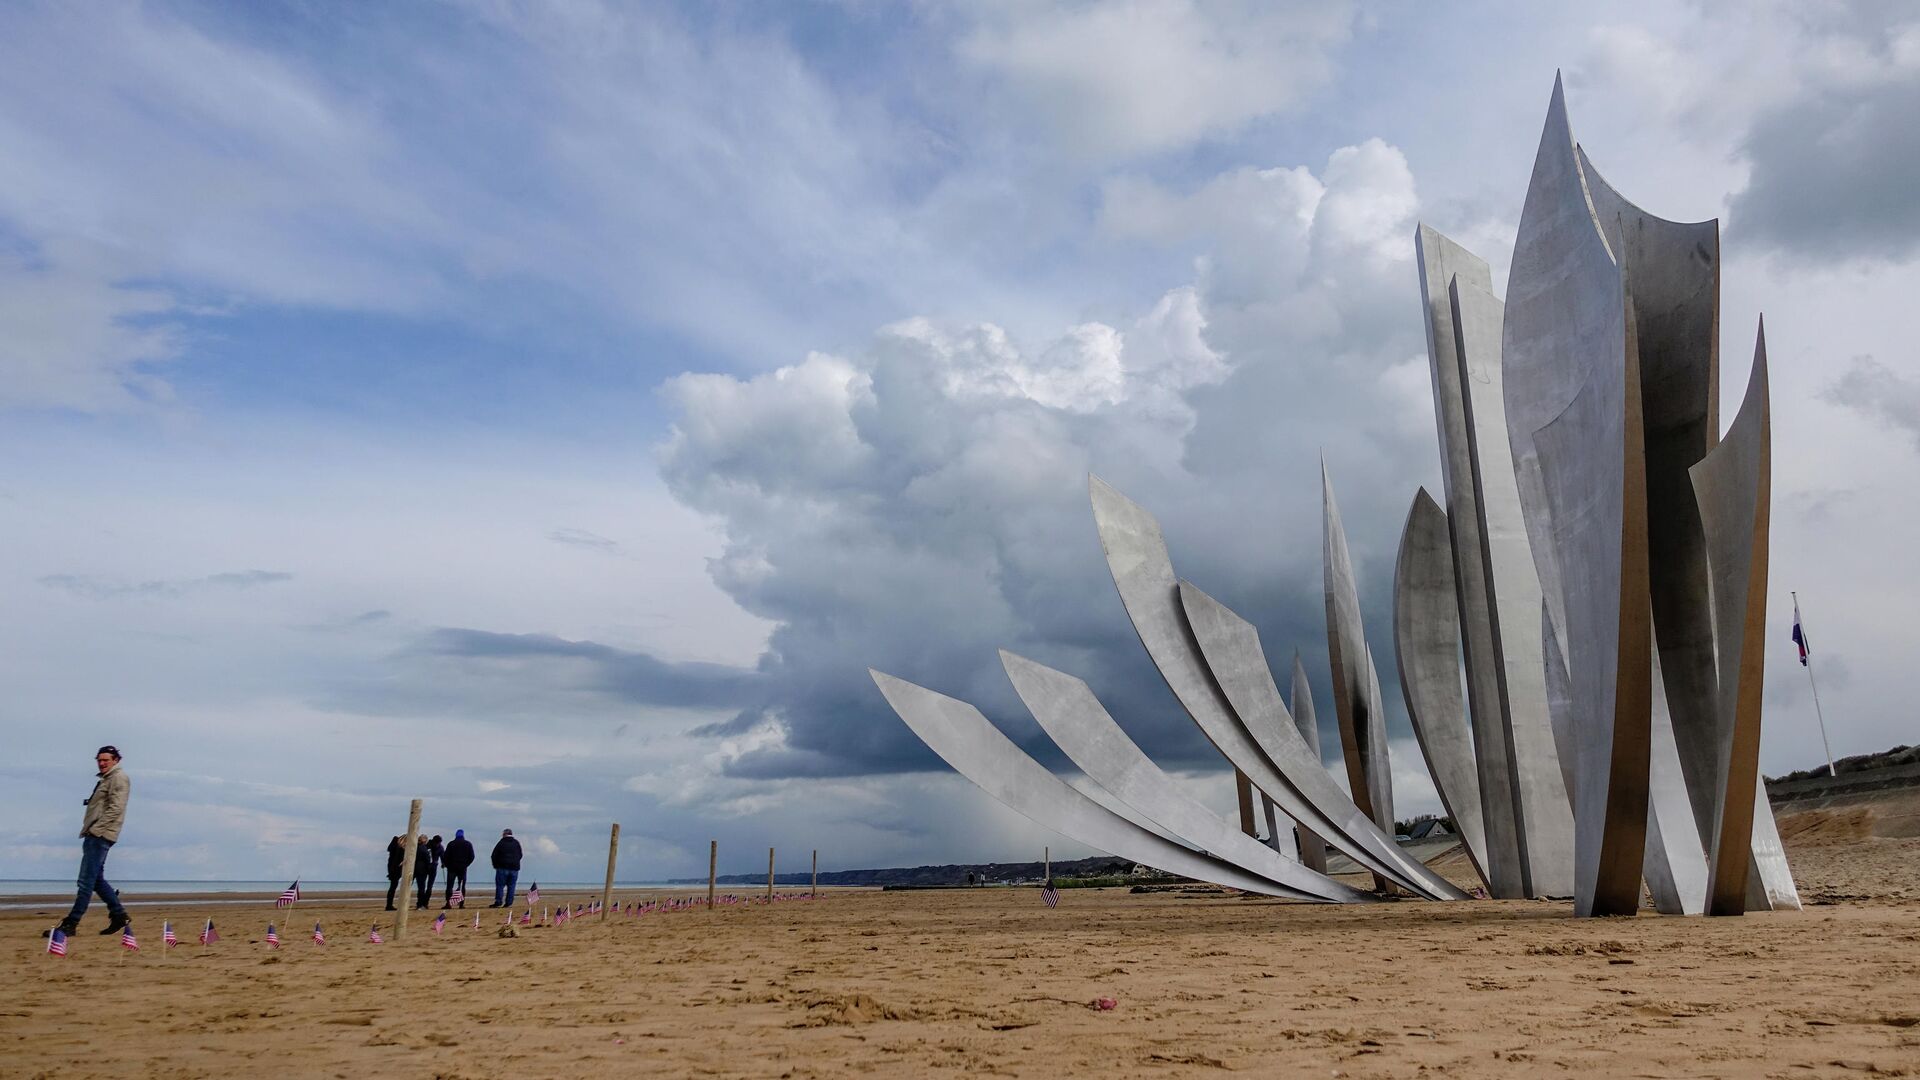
point(99, 829)
point(506, 868)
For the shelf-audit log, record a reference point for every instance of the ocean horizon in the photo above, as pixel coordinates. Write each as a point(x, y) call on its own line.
point(19, 893)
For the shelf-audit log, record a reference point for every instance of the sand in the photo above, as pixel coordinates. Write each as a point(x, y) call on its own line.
point(989, 981)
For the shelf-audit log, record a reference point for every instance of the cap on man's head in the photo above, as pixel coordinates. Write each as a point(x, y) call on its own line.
point(506, 832)
point(459, 834)
point(114, 750)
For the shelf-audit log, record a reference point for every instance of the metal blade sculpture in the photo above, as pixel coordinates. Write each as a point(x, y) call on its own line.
point(1143, 574)
point(1572, 390)
point(1426, 638)
point(1073, 717)
point(980, 752)
point(1313, 847)
point(1732, 483)
point(1527, 814)
point(1598, 575)
point(1356, 700)
point(1232, 650)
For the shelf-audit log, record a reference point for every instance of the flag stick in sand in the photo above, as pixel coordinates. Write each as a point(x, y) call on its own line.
point(613, 852)
point(1046, 863)
point(713, 861)
point(769, 875)
point(406, 869)
point(1806, 661)
point(815, 894)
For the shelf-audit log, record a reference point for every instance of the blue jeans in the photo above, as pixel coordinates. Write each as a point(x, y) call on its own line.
point(503, 882)
point(93, 879)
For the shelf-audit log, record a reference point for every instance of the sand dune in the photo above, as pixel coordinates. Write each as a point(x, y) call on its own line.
point(990, 981)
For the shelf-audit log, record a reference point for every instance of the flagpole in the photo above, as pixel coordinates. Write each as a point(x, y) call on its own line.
point(1807, 662)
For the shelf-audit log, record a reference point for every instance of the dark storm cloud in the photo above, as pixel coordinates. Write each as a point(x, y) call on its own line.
point(1833, 167)
point(634, 677)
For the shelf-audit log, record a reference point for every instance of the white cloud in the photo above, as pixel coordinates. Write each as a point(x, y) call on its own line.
point(1144, 76)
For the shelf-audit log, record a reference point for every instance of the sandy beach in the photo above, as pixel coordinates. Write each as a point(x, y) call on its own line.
point(990, 981)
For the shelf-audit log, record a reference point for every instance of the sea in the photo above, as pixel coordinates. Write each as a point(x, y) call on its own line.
point(19, 894)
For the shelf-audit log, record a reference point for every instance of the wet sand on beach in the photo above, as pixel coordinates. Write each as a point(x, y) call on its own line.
point(990, 981)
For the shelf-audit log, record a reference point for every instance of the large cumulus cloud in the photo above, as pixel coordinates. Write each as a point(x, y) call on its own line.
point(920, 503)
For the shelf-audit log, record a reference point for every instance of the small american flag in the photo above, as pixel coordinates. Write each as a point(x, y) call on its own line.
point(459, 896)
point(273, 936)
point(1050, 894)
point(128, 941)
point(440, 923)
point(208, 935)
point(373, 935)
point(57, 942)
point(288, 897)
point(167, 937)
point(525, 919)
point(319, 938)
point(533, 894)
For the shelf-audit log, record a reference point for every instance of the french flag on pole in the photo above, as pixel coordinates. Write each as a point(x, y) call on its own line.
point(1799, 635)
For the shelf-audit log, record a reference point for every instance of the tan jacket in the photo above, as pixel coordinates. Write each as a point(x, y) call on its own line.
point(107, 806)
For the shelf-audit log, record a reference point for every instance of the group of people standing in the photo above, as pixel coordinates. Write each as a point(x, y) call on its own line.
point(431, 855)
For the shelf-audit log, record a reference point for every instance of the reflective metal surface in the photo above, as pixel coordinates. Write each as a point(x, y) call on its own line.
point(978, 751)
point(1076, 721)
point(1426, 638)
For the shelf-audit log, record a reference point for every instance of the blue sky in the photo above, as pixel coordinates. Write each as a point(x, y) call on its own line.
point(553, 409)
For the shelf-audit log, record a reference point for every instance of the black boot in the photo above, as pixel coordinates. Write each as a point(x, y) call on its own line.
point(67, 927)
point(117, 923)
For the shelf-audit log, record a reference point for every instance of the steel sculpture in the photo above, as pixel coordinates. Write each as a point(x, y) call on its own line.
point(1075, 720)
point(1426, 638)
point(980, 752)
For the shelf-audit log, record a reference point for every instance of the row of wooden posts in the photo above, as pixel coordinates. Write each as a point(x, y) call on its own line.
point(606, 892)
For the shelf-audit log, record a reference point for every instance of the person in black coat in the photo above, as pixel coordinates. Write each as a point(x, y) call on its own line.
point(396, 855)
point(506, 868)
point(457, 857)
point(426, 864)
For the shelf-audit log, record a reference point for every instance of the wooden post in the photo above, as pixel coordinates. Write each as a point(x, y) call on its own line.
point(613, 852)
point(769, 875)
point(713, 861)
point(815, 894)
point(406, 870)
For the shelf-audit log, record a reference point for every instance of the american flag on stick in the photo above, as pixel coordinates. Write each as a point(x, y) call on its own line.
point(1050, 894)
point(440, 923)
point(167, 938)
point(459, 896)
point(208, 935)
point(526, 919)
point(128, 941)
point(319, 938)
point(373, 935)
point(533, 894)
point(273, 937)
point(57, 942)
point(291, 894)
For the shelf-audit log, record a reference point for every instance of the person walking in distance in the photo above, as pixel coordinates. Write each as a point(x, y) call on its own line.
point(457, 857)
point(506, 868)
point(99, 831)
point(396, 858)
point(426, 865)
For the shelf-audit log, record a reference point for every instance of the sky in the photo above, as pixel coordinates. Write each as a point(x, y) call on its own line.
point(552, 411)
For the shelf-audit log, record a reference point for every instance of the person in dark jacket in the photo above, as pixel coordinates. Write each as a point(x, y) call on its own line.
point(506, 868)
point(426, 864)
point(457, 857)
point(396, 857)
